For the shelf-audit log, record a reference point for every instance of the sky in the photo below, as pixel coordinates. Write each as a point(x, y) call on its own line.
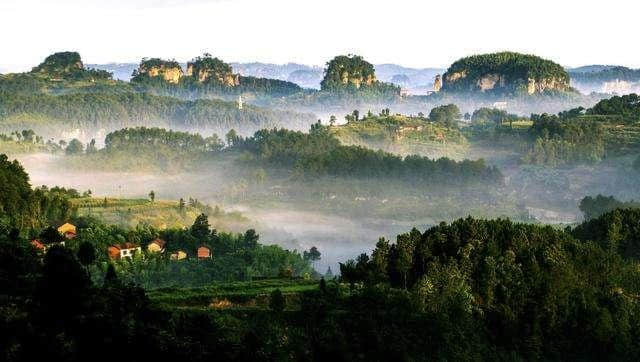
point(410, 33)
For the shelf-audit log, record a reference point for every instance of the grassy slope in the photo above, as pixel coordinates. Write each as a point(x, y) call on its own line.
point(234, 295)
point(16, 148)
point(403, 135)
point(160, 214)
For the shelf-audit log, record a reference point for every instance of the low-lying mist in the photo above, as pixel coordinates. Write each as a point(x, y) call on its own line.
point(345, 217)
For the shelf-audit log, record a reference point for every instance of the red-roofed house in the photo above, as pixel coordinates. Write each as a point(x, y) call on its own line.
point(204, 252)
point(125, 250)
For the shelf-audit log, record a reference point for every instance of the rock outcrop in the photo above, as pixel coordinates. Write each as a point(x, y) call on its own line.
point(348, 71)
point(169, 70)
point(437, 83)
point(505, 73)
point(207, 69)
point(60, 64)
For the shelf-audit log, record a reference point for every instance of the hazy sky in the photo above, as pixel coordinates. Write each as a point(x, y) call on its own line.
point(410, 33)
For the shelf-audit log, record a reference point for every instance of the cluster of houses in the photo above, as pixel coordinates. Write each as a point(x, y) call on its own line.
point(67, 230)
point(157, 246)
point(126, 250)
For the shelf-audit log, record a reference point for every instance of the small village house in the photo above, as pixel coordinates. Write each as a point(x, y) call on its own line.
point(67, 230)
point(204, 252)
point(121, 251)
point(157, 246)
point(178, 255)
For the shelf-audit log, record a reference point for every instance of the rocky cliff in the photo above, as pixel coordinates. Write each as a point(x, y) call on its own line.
point(208, 69)
point(505, 73)
point(348, 71)
point(169, 70)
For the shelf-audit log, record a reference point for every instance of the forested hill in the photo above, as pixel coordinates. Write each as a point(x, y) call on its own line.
point(51, 114)
point(505, 73)
point(498, 290)
point(21, 207)
point(318, 153)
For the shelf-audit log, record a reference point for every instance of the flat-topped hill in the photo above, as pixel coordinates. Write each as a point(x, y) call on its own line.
point(505, 73)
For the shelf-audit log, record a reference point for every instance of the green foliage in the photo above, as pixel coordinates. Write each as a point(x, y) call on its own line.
point(209, 77)
point(93, 111)
point(492, 115)
point(627, 106)
point(447, 115)
point(317, 153)
point(617, 230)
point(68, 66)
point(86, 253)
point(531, 290)
point(21, 207)
point(26, 141)
point(514, 69)
point(347, 71)
point(560, 142)
point(276, 301)
point(213, 69)
point(153, 149)
point(351, 74)
point(593, 207)
point(402, 135)
point(74, 147)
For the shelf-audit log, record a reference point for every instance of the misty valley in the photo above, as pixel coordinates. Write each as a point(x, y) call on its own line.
point(248, 211)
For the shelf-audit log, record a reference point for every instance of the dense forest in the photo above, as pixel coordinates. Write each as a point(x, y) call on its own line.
point(593, 207)
point(21, 207)
point(318, 153)
point(92, 111)
point(144, 149)
point(469, 290)
point(579, 135)
point(507, 290)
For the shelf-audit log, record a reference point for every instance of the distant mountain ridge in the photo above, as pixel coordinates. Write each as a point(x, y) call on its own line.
point(610, 79)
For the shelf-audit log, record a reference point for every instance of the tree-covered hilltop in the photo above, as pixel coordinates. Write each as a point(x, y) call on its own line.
point(610, 128)
point(352, 72)
point(67, 66)
point(209, 69)
point(146, 149)
point(505, 73)
point(401, 134)
point(627, 107)
point(205, 76)
point(168, 70)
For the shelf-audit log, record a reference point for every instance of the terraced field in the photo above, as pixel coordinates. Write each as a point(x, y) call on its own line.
point(622, 139)
point(235, 295)
point(160, 214)
point(403, 135)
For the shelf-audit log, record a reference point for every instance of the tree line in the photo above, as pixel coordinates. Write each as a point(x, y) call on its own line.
point(318, 153)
